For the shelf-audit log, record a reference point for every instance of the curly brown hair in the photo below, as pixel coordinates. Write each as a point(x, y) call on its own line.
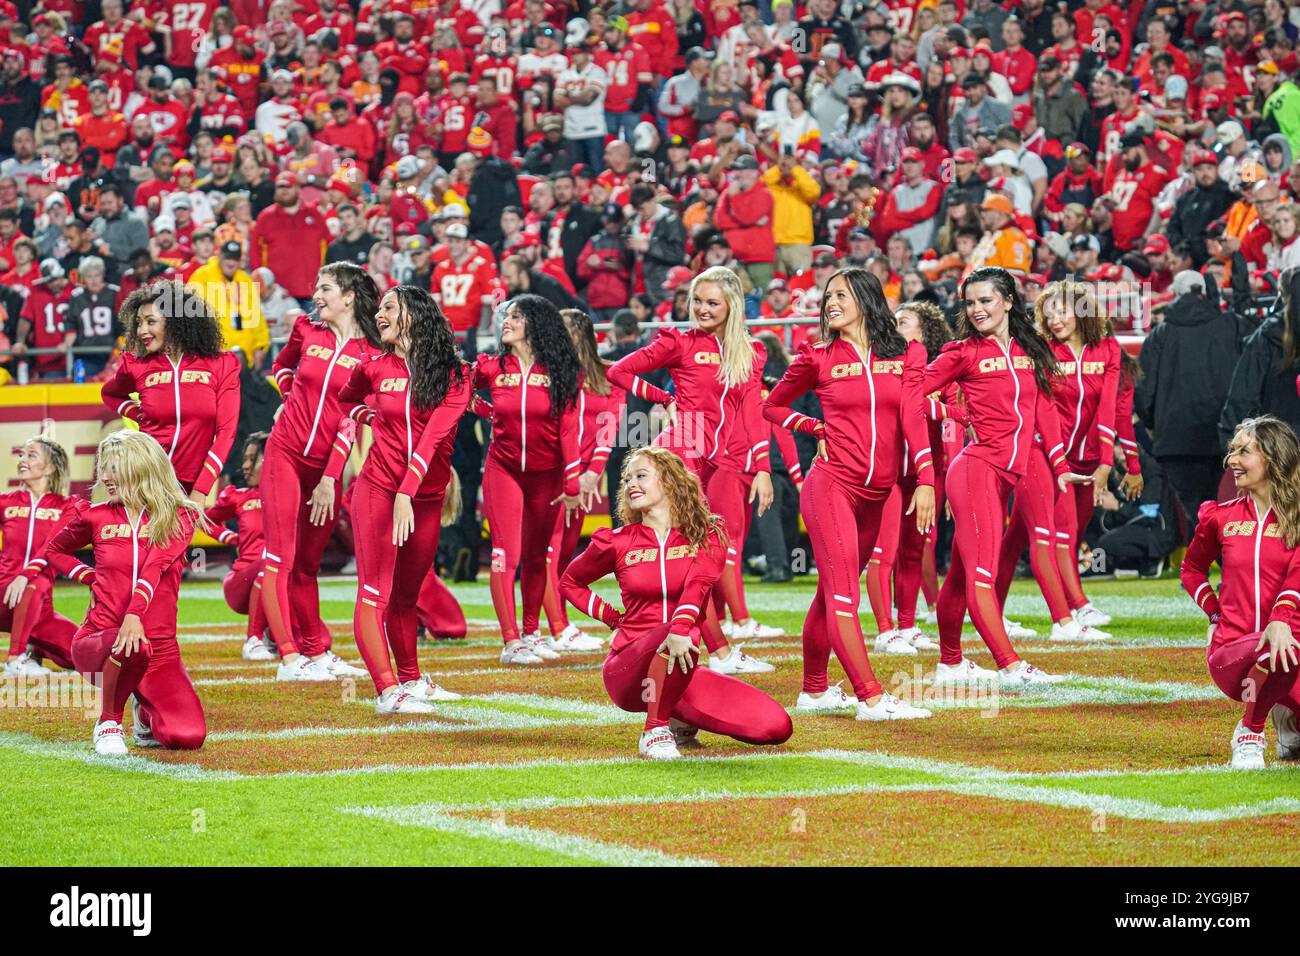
point(686, 502)
point(935, 332)
point(192, 327)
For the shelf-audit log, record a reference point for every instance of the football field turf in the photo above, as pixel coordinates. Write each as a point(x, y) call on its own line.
point(1124, 763)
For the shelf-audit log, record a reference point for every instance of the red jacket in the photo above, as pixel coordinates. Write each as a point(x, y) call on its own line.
point(655, 31)
point(411, 451)
point(1004, 401)
point(1261, 575)
point(526, 436)
point(245, 506)
point(871, 406)
point(598, 420)
point(292, 245)
point(1124, 426)
point(26, 523)
point(357, 135)
point(410, 60)
point(745, 218)
point(191, 408)
point(1086, 392)
point(662, 581)
point(607, 288)
point(311, 370)
point(889, 219)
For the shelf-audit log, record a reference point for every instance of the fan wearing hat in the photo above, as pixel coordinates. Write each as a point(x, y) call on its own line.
point(290, 237)
point(1004, 244)
point(911, 208)
point(680, 95)
point(1079, 183)
point(744, 214)
point(603, 267)
point(282, 108)
point(49, 296)
point(464, 281)
point(580, 93)
point(976, 110)
point(1132, 183)
point(116, 32)
point(1208, 200)
point(630, 74)
point(232, 295)
point(101, 127)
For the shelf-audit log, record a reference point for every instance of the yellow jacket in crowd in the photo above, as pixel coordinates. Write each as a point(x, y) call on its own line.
point(792, 205)
point(237, 305)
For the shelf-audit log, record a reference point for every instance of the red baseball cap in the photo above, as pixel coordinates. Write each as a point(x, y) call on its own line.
point(243, 34)
point(287, 178)
point(965, 155)
point(1155, 245)
point(1020, 113)
point(677, 276)
point(1204, 156)
point(729, 116)
point(911, 154)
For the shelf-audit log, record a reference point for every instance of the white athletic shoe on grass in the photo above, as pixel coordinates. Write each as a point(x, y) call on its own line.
point(1017, 631)
point(396, 700)
point(426, 690)
point(1247, 749)
point(338, 667)
point(1288, 738)
point(539, 647)
point(727, 628)
point(1092, 615)
point(966, 671)
point(256, 650)
point(919, 639)
point(751, 630)
point(574, 641)
point(658, 744)
point(303, 669)
point(25, 665)
point(141, 732)
point(518, 652)
point(890, 707)
point(685, 736)
point(891, 642)
point(1025, 674)
point(1073, 631)
point(931, 618)
point(109, 739)
point(831, 700)
point(738, 662)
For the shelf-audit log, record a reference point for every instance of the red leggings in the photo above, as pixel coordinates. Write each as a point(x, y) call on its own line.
point(388, 589)
point(243, 590)
point(914, 563)
point(157, 677)
point(842, 525)
point(1232, 667)
point(294, 547)
point(564, 541)
point(521, 518)
point(1035, 505)
point(978, 493)
point(1073, 512)
point(884, 555)
point(437, 608)
point(636, 679)
point(34, 622)
point(728, 494)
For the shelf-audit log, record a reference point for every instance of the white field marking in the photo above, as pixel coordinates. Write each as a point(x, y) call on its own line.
point(577, 847)
point(84, 753)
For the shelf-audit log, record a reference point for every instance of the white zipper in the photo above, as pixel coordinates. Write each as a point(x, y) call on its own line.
point(523, 415)
point(324, 390)
point(1011, 367)
point(31, 526)
point(1078, 411)
point(871, 388)
point(722, 404)
point(135, 548)
point(663, 573)
point(582, 418)
point(176, 392)
point(1259, 540)
point(410, 447)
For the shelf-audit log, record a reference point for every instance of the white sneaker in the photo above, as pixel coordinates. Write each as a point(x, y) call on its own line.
point(727, 628)
point(1025, 674)
point(919, 639)
point(303, 669)
point(891, 642)
point(931, 618)
point(108, 739)
point(751, 630)
point(1073, 631)
point(830, 700)
point(890, 707)
point(685, 736)
point(25, 665)
point(426, 690)
point(738, 662)
point(256, 650)
point(1288, 738)
point(1247, 749)
point(1016, 631)
point(965, 672)
point(1091, 615)
point(658, 744)
point(539, 648)
point(143, 735)
point(338, 667)
point(574, 641)
point(395, 700)
point(517, 652)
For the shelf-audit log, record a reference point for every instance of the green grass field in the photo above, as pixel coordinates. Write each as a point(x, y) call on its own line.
point(1122, 764)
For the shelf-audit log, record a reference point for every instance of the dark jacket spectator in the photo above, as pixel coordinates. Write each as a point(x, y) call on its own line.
point(1264, 381)
point(493, 186)
point(1194, 211)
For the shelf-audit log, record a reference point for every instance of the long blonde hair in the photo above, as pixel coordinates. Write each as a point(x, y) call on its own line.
point(737, 348)
point(1280, 449)
point(58, 459)
point(146, 482)
point(686, 502)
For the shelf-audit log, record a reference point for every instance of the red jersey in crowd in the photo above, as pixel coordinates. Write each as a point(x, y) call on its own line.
point(241, 74)
point(462, 289)
point(871, 405)
point(292, 244)
point(525, 435)
point(26, 523)
point(45, 311)
point(655, 31)
point(191, 407)
point(310, 371)
point(127, 37)
point(1134, 195)
point(189, 22)
point(625, 69)
point(1086, 392)
point(244, 505)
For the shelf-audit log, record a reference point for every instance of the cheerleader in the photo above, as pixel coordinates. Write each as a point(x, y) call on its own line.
point(299, 501)
point(128, 638)
point(27, 519)
point(412, 395)
point(868, 379)
point(187, 385)
point(532, 469)
point(242, 584)
point(600, 407)
point(1004, 368)
point(1252, 651)
point(667, 557)
point(439, 613)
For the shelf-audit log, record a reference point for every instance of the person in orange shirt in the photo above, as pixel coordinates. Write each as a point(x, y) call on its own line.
point(1243, 214)
point(1004, 244)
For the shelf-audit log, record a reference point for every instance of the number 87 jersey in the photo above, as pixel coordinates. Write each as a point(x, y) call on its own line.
point(463, 288)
